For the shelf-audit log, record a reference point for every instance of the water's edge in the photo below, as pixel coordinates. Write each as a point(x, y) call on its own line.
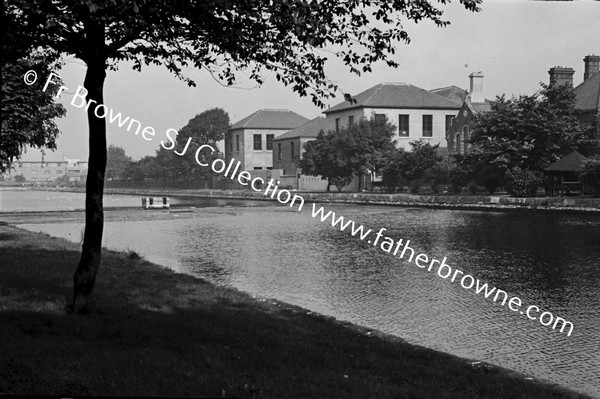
point(464, 202)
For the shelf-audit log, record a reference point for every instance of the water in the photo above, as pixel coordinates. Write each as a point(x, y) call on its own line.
point(549, 260)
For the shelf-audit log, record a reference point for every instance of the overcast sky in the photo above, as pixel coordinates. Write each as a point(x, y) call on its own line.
point(513, 43)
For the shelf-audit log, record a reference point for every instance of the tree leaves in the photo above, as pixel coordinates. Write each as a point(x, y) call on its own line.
point(530, 132)
point(232, 37)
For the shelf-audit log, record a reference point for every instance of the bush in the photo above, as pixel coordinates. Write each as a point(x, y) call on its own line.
point(414, 186)
point(491, 178)
point(472, 188)
point(591, 175)
point(458, 179)
point(522, 183)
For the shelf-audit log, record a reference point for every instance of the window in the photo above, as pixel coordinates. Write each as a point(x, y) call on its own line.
point(231, 144)
point(257, 142)
point(237, 142)
point(427, 125)
point(403, 121)
point(269, 168)
point(47, 172)
point(449, 122)
point(258, 168)
point(380, 118)
point(466, 138)
point(279, 151)
point(351, 120)
point(337, 124)
point(59, 172)
point(270, 141)
point(293, 152)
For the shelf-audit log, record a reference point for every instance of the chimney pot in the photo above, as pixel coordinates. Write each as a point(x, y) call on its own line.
point(476, 87)
point(561, 75)
point(592, 66)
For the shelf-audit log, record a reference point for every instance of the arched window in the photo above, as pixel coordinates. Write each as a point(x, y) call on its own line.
point(457, 143)
point(466, 138)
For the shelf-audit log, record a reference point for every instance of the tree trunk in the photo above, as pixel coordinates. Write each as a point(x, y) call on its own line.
point(359, 182)
point(89, 263)
point(328, 185)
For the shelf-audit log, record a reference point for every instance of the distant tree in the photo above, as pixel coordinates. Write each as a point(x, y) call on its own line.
point(327, 158)
point(529, 132)
point(410, 167)
point(368, 145)
point(139, 170)
point(224, 37)
point(116, 162)
point(28, 113)
point(178, 154)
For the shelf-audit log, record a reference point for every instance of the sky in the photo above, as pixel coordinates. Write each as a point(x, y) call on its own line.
point(514, 44)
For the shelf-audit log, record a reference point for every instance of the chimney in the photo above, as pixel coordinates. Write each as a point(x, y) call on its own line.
point(592, 66)
point(561, 75)
point(476, 90)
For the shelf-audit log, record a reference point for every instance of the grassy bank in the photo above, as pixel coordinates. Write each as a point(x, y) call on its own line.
point(161, 333)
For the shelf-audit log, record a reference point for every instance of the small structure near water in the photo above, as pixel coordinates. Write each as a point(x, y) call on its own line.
point(156, 203)
point(566, 174)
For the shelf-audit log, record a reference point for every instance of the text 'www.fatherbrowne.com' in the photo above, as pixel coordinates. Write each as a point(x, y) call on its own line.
point(234, 172)
point(443, 270)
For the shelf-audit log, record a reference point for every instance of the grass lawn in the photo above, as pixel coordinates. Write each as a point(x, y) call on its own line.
point(161, 333)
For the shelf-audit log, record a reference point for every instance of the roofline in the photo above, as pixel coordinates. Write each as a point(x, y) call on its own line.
point(302, 136)
point(448, 87)
point(456, 107)
point(287, 138)
point(260, 128)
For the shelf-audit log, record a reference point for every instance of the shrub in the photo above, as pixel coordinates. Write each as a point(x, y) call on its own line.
point(414, 186)
point(522, 183)
point(472, 188)
point(458, 179)
point(591, 175)
point(491, 178)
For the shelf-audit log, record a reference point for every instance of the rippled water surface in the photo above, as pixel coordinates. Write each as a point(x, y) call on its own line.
point(550, 260)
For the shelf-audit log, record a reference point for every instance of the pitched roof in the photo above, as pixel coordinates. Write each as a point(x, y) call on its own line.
point(308, 129)
point(587, 94)
point(569, 163)
point(396, 95)
point(270, 119)
point(479, 107)
point(452, 93)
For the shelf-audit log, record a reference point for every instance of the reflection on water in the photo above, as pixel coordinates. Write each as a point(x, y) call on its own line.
point(549, 260)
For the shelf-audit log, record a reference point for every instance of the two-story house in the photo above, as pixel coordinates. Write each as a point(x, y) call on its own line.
point(587, 93)
point(288, 149)
point(417, 113)
point(250, 140)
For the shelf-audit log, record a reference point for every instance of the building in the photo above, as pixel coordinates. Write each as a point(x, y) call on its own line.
point(48, 171)
point(416, 113)
point(250, 140)
point(587, 94)
point(474, 103)
point(288, 149)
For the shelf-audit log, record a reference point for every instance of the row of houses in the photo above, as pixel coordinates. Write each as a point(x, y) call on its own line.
point(269, 142)
point(48, 170)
